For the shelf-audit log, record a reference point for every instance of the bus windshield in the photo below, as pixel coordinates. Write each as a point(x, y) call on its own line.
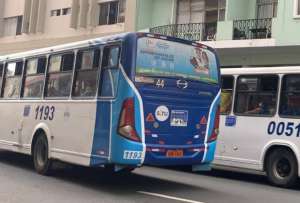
point(157, 57)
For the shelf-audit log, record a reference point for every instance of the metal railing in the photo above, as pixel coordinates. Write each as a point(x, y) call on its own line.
point(252, 29)
point(190, 31)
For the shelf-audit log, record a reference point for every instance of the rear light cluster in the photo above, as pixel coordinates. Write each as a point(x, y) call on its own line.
point(127, 121)
point(215, 131)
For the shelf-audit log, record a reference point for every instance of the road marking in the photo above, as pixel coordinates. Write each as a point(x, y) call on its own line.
point(168, 197)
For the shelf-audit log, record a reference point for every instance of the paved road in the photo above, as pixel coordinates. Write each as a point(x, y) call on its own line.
point(19, 183)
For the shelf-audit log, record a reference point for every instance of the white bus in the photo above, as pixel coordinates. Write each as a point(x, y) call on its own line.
point(260, 122)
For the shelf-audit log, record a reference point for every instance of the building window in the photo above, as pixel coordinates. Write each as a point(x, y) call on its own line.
point(199, 11)
point(297, 8)
point(55, 12)
point(66, 11)
point(112, 12)
point(13, 26)
point(267, 9)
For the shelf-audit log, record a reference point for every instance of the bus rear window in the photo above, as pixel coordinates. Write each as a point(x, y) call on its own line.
point(157, 57)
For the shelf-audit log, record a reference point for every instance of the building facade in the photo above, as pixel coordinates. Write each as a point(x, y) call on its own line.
point(30, 24)
point(245, 32)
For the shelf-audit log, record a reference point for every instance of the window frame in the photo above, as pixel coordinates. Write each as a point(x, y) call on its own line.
point(115, 44)
point(280, 97)
point(272, 3)
point(118, 19)
point(296, 9)
point(62, 53)
point(232, 94)
point(259, 77)
point(46, 57)
point(2, 64)
point(4, 79)
point(98, 71)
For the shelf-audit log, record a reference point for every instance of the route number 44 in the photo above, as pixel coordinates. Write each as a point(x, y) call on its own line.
point(281, 128)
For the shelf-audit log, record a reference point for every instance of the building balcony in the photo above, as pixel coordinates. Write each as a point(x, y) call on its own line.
point(252, 29)
point(190, 31)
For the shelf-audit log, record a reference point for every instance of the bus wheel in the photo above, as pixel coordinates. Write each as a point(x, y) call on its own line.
point(42, 163)
point(282, 168)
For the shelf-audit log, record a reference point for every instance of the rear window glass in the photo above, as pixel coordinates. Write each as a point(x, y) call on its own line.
point(157, 57)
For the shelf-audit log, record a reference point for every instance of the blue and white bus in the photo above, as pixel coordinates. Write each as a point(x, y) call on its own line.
point(122, 101)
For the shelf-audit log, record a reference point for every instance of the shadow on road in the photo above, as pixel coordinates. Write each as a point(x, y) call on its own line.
point(235, 176)
point(98, 179)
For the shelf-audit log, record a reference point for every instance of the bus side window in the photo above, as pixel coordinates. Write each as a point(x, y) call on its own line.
point(109, 71)
point(13, 80)
point(85, 81)
point(1, 75)
point(226, 94)
point(34, 78)
point(290, 96)
point(256, 95)
point(60, 74)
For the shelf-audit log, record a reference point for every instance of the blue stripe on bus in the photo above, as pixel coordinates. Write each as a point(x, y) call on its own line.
point(101, 140)
point(209, 156)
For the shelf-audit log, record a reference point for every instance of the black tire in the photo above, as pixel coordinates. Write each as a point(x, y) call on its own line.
point(42, 163)
point(282, 168)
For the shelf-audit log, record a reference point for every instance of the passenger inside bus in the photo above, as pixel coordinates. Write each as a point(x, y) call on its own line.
point(292, 106)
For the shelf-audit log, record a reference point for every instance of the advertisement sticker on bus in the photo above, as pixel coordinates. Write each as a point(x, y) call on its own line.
point(179, 118)
point(162, 113)
point(164, 58)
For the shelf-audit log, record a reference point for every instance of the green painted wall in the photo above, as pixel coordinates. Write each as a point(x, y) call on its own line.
point(152, 13)
point(286, 28)
point(240, 9)
point(144, 14)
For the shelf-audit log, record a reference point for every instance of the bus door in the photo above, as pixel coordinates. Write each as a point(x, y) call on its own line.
point(108, 86)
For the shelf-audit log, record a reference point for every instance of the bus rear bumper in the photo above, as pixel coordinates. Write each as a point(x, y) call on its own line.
point(192, 155)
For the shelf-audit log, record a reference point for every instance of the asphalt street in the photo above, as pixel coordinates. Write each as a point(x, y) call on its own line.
point(20, 183)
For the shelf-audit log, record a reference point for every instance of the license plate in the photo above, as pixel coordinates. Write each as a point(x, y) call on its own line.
point(179, 118)
point(175, 153)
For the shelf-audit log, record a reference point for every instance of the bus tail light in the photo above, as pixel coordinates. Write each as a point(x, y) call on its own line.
point(215, 131)
point(127, 121)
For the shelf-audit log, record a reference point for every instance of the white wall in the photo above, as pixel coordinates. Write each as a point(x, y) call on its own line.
point(13, 8)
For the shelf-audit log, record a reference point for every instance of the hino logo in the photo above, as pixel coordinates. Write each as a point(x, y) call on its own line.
point(182, 84)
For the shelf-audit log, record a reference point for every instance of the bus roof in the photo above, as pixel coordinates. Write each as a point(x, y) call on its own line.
point(260, 70)
point(93, 42)
point(57, 48)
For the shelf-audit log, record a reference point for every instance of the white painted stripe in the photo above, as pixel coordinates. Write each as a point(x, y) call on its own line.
point(169, 197)
point(141, 110)
point(208, 123)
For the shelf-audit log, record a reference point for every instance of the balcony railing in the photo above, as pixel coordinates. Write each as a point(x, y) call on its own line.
point(252, 29)
point(191, 31)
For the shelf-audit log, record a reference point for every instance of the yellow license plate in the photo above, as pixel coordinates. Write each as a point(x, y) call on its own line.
point(175, 153)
